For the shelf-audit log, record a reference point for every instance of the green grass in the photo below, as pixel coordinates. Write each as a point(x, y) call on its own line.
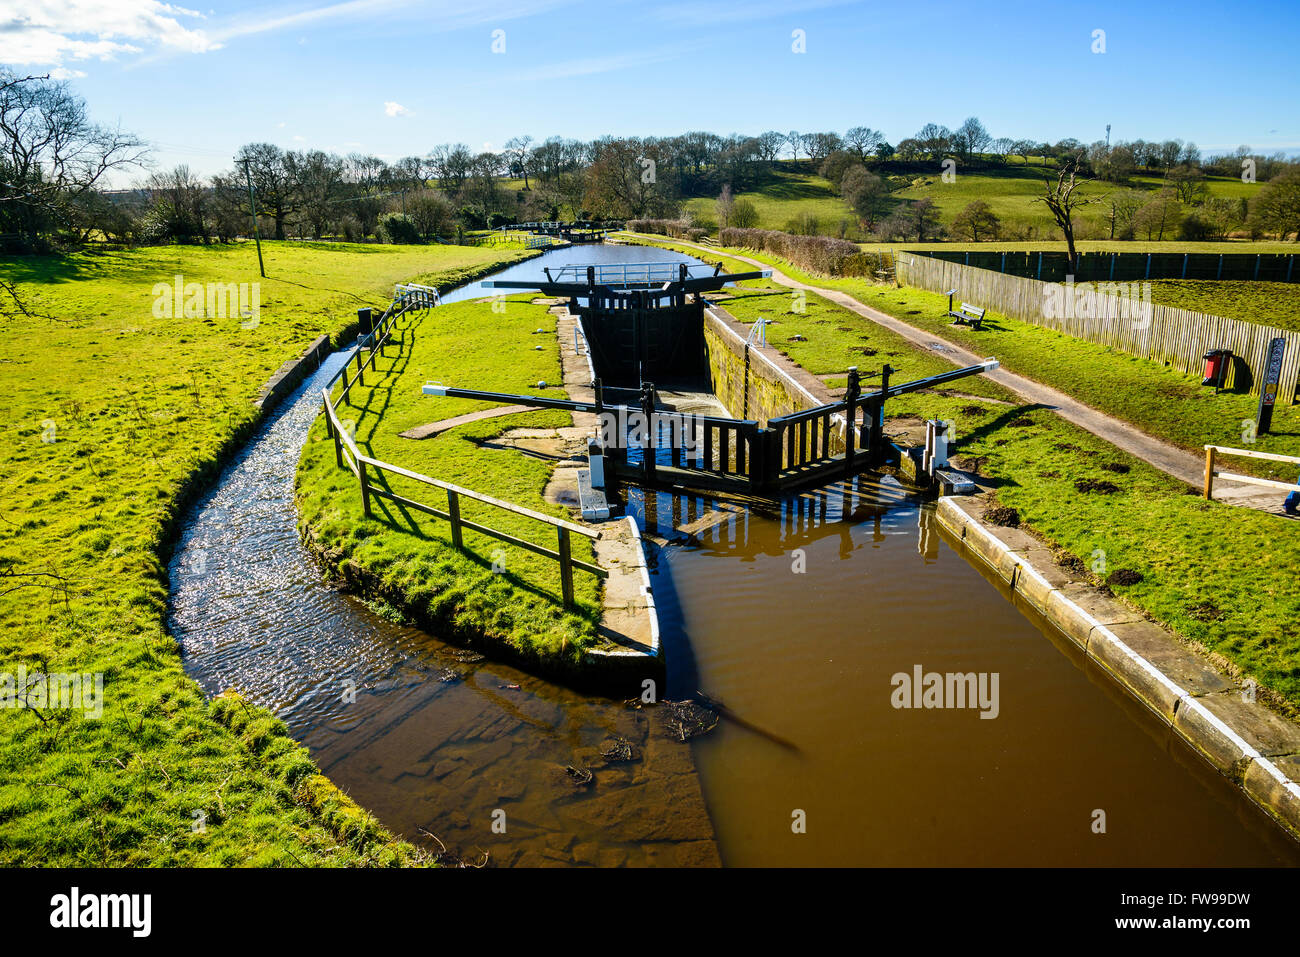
point(1267, 303)
point(143, 410)
point(1220, 576)
point(409, 556)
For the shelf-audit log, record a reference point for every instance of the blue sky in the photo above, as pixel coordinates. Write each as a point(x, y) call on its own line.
point(395, 78)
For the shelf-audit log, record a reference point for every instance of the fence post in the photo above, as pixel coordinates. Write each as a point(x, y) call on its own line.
point(360, 377)
point(365, 486)
point(651, 439)
point(1209, 471)
point(566, 568)
point(877, 425)
point(851, 395)
point(453, 513)
point(338, 449)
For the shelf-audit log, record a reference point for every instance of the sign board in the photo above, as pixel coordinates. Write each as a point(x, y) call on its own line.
point(1268, 391)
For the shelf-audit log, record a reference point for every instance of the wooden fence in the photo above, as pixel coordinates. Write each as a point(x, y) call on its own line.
point(1176, 337)
point(1211, 473)
point(365, 468)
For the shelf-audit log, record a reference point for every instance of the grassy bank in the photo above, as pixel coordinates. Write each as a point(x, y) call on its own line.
point(1220, 577)
point(113, 419)
point(490, 592)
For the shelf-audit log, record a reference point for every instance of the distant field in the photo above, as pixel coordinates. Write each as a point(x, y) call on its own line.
point(1267, 303)
point(781, 200)
point(1011, 191)
point(1104, 245)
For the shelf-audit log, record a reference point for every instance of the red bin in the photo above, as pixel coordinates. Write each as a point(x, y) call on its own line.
point(1216, 367)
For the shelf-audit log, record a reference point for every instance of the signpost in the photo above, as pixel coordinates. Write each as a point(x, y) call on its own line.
point(1268, 391)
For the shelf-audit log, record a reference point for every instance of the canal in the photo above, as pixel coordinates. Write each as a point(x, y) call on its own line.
point(795, 615)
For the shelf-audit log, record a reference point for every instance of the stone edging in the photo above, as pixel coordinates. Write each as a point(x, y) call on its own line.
point(652, 611)
point(1249, 744)
point(286, 379)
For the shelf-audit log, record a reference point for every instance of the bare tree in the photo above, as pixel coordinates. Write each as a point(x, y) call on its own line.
point(519, 157)
point(1063, 199)
point(864, 141)
point(51, 155)
point(273, 178)
point(51, 159)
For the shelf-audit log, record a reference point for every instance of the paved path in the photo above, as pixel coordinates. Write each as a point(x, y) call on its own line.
point(442, 425)
point(1181, 464)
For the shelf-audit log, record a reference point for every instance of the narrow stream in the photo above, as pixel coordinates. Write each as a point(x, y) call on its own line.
point(433, 743)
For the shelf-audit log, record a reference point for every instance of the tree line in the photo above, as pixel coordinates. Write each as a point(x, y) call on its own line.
point(54, 162)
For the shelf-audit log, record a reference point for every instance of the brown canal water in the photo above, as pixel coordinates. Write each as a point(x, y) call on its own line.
point(431, 742)
point(799, 615)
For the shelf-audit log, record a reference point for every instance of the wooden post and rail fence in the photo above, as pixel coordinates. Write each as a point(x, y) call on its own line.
point(1211, 473)
point(366, 468)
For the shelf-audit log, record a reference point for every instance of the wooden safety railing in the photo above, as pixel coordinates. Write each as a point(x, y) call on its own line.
point(1211, 451)
point(348, 456)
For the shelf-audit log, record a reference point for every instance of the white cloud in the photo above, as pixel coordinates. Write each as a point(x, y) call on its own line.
point(300, 139)
point(437, 16)
point(395, 109)
point(52, 32)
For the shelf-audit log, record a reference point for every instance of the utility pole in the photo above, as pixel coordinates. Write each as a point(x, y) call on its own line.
point(252, 205)
point(1107, 136)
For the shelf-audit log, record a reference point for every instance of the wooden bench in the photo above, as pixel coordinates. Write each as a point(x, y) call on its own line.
point(972, 316)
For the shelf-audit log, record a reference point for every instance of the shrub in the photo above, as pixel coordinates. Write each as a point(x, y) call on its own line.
point(818, 254)
point(743, 215)
point(351, 227)
point(397, 228)
point(674, 228)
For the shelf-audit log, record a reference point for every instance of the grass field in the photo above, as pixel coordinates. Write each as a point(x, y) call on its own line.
point(112, 421)
point(1267, 303)
point(1220, 576)
point(1012, 192)
point(783, 197)
point(469, 345)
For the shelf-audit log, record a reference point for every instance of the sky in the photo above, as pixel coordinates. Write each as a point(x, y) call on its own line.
point(396, 77)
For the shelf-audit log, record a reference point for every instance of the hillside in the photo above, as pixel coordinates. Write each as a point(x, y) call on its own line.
point(1011, 191)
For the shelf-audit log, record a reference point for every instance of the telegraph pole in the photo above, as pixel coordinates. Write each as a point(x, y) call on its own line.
point(252, 205)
